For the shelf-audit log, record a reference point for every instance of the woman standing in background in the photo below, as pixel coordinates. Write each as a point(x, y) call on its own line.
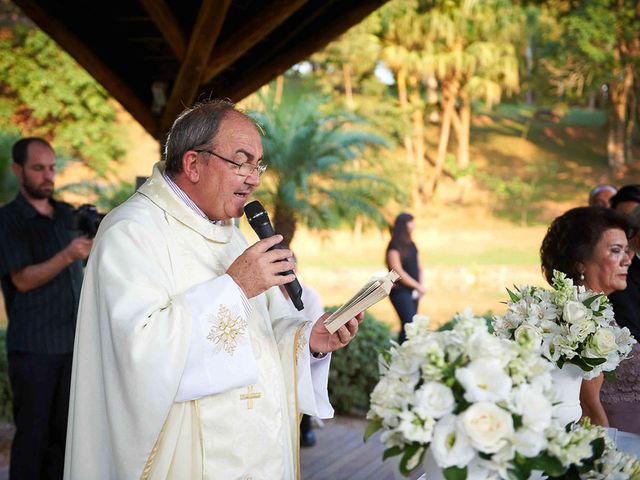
point(402, 256)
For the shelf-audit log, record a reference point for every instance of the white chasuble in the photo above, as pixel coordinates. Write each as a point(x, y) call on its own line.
point(175, 373)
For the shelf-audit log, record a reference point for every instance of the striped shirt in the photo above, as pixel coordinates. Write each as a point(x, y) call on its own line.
point(185, 198)
point(190, 203)
point(41, 320)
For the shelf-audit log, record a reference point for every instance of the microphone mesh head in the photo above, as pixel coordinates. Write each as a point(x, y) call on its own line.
point(253, 209)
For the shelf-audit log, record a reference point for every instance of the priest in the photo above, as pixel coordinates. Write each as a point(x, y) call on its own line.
point(188, 362)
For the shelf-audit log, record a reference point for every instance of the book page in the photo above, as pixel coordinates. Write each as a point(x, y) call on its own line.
point(370, 294)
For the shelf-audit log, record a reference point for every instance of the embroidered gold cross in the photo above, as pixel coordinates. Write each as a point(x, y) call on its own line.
point(249, 396)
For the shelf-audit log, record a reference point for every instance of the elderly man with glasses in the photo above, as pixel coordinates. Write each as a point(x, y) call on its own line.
point(189, 363)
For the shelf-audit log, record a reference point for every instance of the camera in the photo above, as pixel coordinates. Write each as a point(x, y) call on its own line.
point(86, 220)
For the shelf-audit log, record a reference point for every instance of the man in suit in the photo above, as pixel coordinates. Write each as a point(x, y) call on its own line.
point(626, 303)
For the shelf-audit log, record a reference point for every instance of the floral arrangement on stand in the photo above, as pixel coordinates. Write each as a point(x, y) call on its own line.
point(474, 405)
point(569, 324)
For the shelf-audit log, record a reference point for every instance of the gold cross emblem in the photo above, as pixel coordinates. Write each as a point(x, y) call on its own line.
point(249, 396)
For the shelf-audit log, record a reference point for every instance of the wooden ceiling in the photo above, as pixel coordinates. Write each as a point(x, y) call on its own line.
point(157, 56)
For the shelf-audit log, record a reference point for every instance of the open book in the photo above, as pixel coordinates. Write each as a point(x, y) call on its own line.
point(369, 295)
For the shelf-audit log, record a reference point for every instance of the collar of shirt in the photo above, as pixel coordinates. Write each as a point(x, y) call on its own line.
point(185, 198)
point(28, 211)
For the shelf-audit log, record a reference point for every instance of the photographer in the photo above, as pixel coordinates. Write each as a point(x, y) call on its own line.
point(41, 275)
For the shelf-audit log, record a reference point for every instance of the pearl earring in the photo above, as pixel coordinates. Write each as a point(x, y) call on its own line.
point(581, 276)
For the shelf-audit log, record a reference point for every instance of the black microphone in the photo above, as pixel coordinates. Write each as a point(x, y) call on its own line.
point(259, 221)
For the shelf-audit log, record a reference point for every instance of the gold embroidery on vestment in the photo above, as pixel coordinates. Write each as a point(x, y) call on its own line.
point(227, 329)
point(301, 343)
point(250, 396)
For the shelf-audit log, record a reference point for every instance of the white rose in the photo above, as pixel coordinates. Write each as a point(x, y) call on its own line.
point(488, 426)
point(602, 343)
point(580, 331)
point(434, 399)
point(529, 442)
point(484, 380)
point(529, 336)
point(534, 407)
point(575, 312)
point(450, 446)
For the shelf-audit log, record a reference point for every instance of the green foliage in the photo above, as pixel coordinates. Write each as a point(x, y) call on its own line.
point(46, 93)
point(354, 368)
point(8, 181)
point(107, 195)
point(319, 171)
point(6, 397)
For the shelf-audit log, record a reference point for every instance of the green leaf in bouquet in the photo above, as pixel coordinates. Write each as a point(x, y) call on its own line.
point(594, 361)
point(514, 297)
point(610, 376)
point(455, 473)
point(597, 449)
point(548, 464)
point(579, 362)
point(413, 450)
point(391, 452)
point(560, 363)
point(517, 420)
point(372, 427)
point(587, 303)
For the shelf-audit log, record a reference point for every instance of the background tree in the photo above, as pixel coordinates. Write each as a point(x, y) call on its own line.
point(310, 153)
point(43, 92)
point(600, 46)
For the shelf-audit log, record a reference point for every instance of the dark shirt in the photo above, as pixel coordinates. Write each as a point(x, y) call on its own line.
point(41, 320)
point(626, 303)
point(409, 261)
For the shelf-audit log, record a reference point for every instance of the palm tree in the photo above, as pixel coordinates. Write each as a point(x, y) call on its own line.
point(311, 178)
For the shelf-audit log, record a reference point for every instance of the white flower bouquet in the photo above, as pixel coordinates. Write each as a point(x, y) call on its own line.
point(482, 406)
point(612, 464)
point(568, 323)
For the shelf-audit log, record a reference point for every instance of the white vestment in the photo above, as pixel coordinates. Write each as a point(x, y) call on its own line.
point(175, 373)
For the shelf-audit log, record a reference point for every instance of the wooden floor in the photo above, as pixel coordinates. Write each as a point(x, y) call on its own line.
point(341, 454)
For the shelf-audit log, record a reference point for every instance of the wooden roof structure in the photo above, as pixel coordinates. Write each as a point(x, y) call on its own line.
point(157, 56)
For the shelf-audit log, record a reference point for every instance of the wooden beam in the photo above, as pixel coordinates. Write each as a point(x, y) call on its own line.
point(249, 34)
point(90, 62)
point(163, 18)
point(247, 82)
point(205, 33)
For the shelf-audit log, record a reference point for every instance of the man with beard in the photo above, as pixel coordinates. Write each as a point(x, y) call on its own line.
point(41, 276)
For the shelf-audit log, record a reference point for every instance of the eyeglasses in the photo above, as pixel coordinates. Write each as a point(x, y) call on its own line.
point(244, 169)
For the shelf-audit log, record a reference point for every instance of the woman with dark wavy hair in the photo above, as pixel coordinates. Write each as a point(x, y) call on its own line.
point(590, 245)
point(402, 256)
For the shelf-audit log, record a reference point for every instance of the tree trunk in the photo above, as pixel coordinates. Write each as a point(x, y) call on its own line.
point(417, 118)
point(449, 92)
point(279, 89)
point(630, 127)
point(284, 222)
point(464, 133)
point(401, 81)
point(619, 90)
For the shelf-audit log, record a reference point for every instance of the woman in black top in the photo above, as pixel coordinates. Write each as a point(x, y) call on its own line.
point(402, 256)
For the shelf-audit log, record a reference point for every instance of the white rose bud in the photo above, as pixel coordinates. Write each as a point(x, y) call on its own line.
point(575, 312)
point(488, 426)
point(434, 399)
point(603, 342)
